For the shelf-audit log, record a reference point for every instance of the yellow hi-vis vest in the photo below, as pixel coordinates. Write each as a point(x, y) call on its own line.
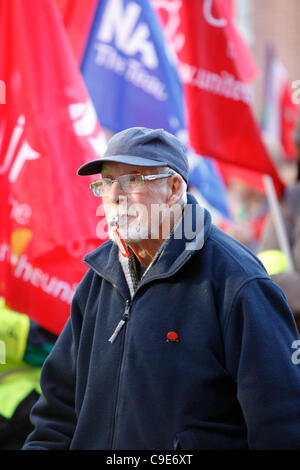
point(274, 261)
point(17, 378)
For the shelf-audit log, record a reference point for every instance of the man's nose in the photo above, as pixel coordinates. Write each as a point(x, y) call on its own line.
point(115, 192)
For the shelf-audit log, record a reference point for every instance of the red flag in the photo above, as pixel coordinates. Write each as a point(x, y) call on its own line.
point(289, 120)
point(48, 128)
point(281, 114)
point(77, 18)
point(170, 13)
point(214, 66)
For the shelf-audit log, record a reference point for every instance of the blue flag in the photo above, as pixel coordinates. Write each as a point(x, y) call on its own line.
point(129, 71)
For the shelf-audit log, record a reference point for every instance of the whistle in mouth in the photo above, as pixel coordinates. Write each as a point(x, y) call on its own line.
point(118, 239)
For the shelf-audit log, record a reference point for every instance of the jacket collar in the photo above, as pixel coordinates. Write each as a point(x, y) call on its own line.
point(187, 237)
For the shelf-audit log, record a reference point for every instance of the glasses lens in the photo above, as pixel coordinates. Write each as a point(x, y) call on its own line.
point(95, 188)
point(128, 183)
point(100, 187)
point(131, 183)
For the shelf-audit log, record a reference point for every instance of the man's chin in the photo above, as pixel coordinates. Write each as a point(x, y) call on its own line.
point(133, 235)
point(134, 238)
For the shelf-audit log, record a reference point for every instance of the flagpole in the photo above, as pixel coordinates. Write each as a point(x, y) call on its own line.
point(278, 221)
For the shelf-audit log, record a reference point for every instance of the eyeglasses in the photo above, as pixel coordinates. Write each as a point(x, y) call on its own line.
point(128, 183)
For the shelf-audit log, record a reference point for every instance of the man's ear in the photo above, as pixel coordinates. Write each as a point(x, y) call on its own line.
point(175, 190)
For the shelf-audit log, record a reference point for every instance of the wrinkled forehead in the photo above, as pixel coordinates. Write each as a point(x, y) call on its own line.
point(117, 169)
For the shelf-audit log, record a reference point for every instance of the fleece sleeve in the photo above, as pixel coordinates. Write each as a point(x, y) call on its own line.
point(53, 416)
point(260, 334)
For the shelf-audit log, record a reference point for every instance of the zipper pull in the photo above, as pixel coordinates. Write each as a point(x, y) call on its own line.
point(121, 323)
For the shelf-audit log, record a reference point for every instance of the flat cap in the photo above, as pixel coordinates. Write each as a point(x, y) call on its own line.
point(140, 146)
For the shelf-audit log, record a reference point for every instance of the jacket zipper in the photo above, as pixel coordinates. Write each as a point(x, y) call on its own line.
point(121, 323)
point(126, 316)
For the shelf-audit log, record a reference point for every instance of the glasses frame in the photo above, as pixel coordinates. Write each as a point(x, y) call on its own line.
point(93, 187)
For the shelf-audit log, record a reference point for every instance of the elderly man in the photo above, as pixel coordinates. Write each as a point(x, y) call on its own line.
point(178, 338)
